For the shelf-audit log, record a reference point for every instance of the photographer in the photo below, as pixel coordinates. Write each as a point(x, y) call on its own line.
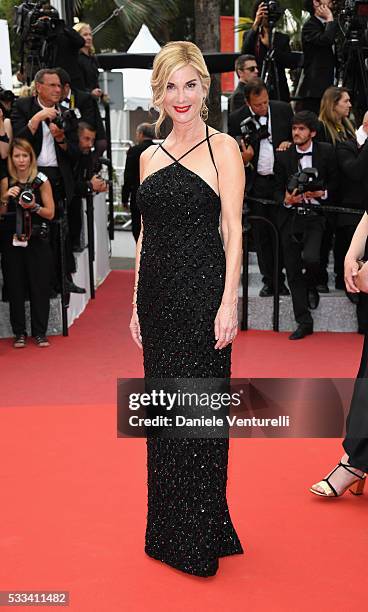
point(85, 107)
point(87, 181)
point(38, 119)
point(301, 226)
point(269, 128)
point(27, 205)
point(246, 68)
point(319, 49)
point(257, 42)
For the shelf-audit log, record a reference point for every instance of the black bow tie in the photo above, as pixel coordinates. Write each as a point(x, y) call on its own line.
point(300, 155)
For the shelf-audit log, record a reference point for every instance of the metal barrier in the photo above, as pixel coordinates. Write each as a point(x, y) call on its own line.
point(247, 229)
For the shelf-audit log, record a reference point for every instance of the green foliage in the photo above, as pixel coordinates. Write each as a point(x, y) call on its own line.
point(122, 29)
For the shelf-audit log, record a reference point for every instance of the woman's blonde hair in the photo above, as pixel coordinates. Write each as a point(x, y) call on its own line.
point(78, 27)
point(20, 143)
point(339, 130)
point(172, 57)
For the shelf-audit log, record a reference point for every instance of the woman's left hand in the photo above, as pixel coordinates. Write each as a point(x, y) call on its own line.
point(226, 324)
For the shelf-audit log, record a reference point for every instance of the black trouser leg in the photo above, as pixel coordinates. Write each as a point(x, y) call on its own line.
point(75, 220)
point(326, 246)
point(14, 270)
point(264, 236)
point(312, 240)
point(294, 270)
point(356, 440)
point(38, 272)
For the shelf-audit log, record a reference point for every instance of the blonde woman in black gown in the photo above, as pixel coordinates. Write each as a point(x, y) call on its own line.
point(350, 472)
point(185, 304)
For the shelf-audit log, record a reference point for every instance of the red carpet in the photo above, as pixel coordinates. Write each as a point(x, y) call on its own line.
point(73, 500)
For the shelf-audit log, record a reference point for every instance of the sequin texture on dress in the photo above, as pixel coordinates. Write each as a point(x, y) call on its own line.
point(181, 281)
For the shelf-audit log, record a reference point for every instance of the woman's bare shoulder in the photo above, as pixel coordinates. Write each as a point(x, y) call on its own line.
point(147, 153)
point(220, 140)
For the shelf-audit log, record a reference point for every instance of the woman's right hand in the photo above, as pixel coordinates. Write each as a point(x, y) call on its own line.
point(135, 329)
point(351, 269)
point(46, 113)
point(13, 192)
point(260, 15)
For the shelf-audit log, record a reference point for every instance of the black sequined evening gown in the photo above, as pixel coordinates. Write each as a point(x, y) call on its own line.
point(181, 281)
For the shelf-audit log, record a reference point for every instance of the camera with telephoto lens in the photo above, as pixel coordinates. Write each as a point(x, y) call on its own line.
point(303, 181)
point(26, 196)
point(274, 11)
point(67, 120)
point(24, 227)
point(252, 132)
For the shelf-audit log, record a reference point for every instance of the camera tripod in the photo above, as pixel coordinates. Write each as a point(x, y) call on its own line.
point(355, 75)
point(269, 72)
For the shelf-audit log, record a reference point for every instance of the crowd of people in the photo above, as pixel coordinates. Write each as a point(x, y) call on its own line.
point(278, 146)
point(51, 138)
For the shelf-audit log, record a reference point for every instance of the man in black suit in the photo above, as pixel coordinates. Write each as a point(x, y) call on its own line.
point(33, 119)
point(320, 59)
point(86, 105)
point(144, 138)
point(301, 228)
point(246, 68)
point(257, 42)
point(276, 117)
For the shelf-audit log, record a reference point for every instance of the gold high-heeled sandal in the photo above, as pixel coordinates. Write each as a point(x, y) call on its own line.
point(356, 487)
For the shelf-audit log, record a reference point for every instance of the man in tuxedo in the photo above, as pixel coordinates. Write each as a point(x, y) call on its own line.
point(33, 119)
point(320, 59)
point(301, 228)
point(144, 138)
point(259, 159)
point(246, 68)
point(257, 42)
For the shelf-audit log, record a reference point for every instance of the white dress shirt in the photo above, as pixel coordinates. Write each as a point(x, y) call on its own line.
point(266, 158)
point(47, 156)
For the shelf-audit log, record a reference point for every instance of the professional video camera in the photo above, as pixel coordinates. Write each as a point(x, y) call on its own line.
point(37, 24)
point(274, 11)
point(252, 132)
point(353, 17)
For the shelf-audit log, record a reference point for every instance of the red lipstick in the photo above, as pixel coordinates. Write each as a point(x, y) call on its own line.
point(182, 109)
